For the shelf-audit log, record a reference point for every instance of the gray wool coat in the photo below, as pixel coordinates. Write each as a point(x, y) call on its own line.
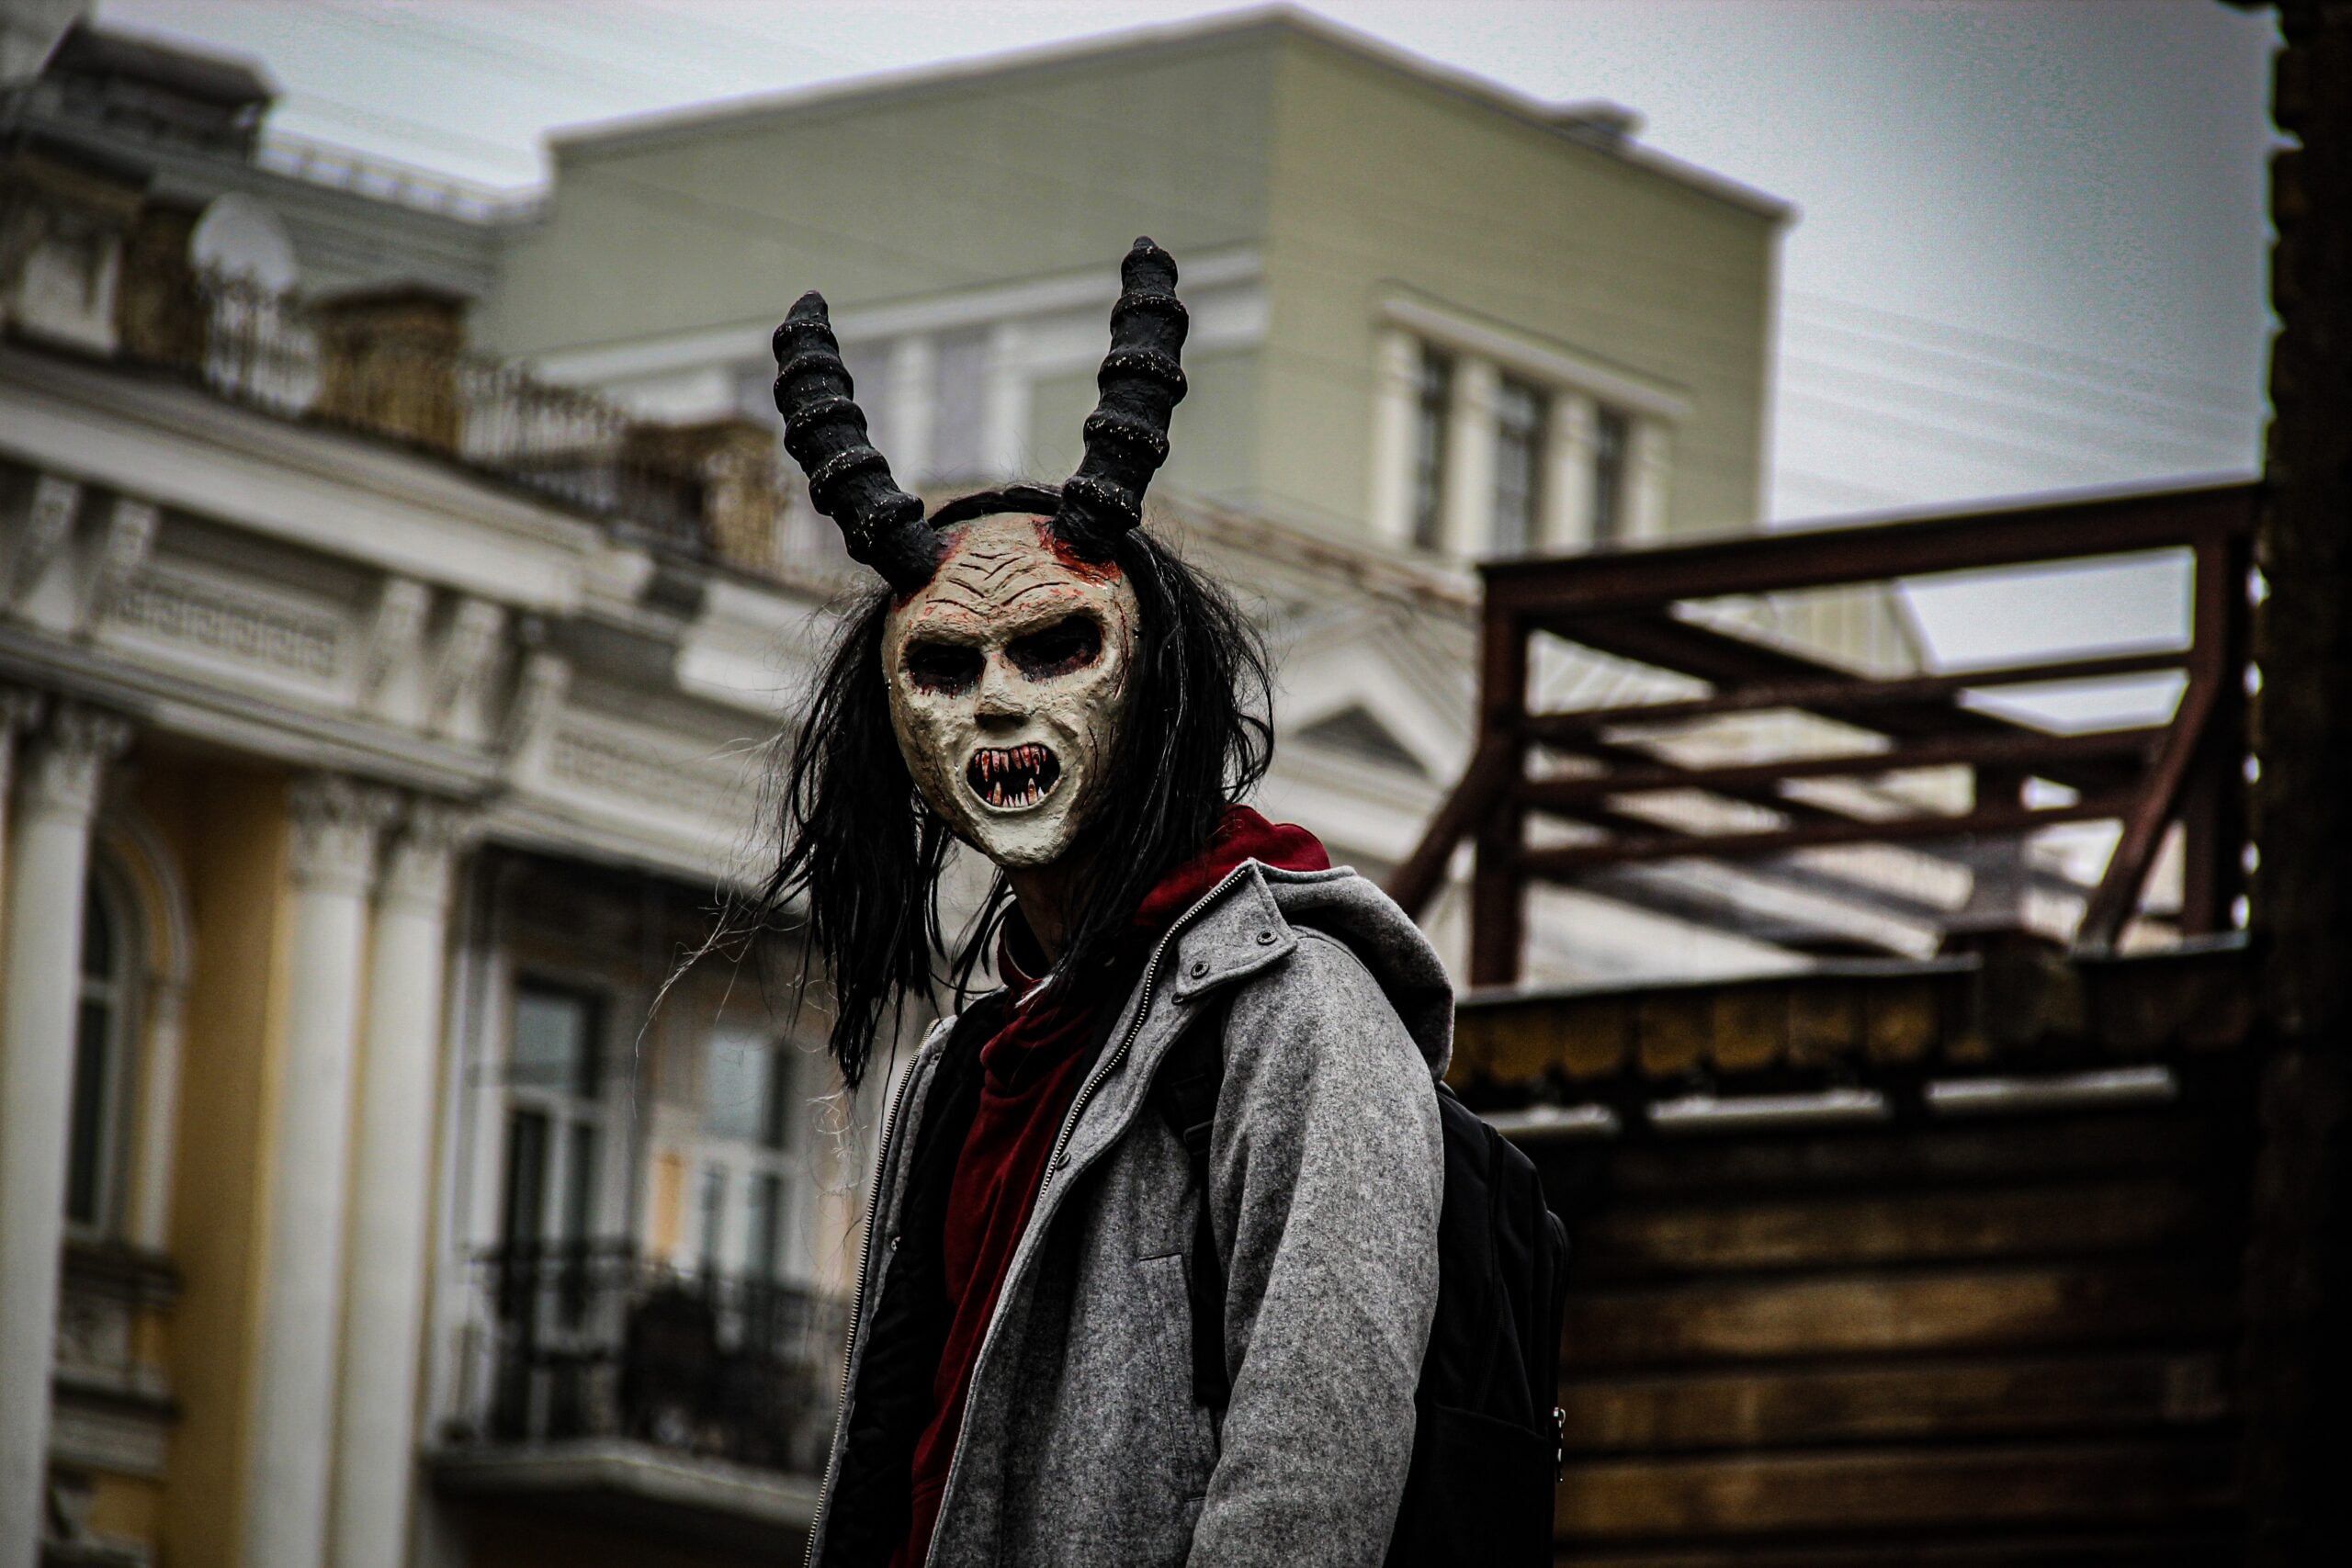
point(1082, 1444)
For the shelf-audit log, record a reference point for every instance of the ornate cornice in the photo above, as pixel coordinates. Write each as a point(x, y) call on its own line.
point(129, 539)
point(468, 651)
point(395, 634)
point(48, 524)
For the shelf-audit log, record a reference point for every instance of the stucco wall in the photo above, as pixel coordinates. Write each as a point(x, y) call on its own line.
point(1016, 174)
point(1380, 180)
point(1211, 440)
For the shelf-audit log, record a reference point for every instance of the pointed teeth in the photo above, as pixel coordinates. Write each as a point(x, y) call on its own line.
point(1013, 777)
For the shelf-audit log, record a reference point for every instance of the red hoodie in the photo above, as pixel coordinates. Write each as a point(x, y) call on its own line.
point(1029, 1074)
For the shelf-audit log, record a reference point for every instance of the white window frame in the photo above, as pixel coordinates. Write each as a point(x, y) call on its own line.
point(741, 1164)
point(1576, 387)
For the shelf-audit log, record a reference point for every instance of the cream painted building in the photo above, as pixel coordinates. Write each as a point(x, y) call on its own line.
point(1427, 313)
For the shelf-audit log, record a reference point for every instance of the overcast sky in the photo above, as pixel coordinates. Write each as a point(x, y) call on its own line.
point(2030, 244)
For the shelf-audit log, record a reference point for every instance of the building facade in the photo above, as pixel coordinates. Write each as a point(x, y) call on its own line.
point(1425, 313)
point(385, 730)
point(384, 718)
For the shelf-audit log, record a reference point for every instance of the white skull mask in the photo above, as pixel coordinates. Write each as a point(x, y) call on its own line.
point(1008, 677)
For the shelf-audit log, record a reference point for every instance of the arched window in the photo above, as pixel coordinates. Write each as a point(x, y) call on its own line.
point(101, 1063)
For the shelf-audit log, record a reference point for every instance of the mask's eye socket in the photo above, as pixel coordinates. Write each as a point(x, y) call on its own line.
point(944, 666)
point(1066, 645)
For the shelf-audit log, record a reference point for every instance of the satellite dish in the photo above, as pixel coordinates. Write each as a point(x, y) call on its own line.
point(241, 238)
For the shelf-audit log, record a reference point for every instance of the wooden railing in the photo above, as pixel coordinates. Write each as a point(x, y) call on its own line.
point(1606, 780)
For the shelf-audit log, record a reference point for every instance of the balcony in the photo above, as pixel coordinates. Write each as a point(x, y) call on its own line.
point(622, 1390)
point(1759, 786)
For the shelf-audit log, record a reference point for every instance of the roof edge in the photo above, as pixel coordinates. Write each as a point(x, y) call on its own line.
point(636, 132)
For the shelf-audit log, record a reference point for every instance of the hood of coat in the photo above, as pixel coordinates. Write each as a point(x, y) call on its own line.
point(1339, 904)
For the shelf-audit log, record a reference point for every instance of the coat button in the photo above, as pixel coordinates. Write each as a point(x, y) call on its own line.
point(1265, 939)
point(1200, 967)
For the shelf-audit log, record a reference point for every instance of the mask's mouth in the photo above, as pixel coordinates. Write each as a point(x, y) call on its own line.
point(1012, 778)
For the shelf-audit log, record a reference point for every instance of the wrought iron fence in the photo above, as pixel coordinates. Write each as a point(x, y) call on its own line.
point(592, 1341)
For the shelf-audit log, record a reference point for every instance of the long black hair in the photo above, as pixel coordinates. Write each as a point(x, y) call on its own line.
point(859, 844)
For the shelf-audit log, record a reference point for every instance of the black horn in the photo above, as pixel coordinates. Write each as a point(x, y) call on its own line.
point(1141, 382)
point(849, 481)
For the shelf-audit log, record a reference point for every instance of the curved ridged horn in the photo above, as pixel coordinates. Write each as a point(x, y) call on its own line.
point(849, 481)
point(1141, 381)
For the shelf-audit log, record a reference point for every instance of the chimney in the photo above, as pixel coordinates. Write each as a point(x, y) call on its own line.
point(733, 462)
point(158, 315)
point(63, 213)
point(388, 362)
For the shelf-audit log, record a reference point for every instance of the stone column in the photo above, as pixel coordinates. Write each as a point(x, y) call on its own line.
point(18, 709)
point(1567, 474)
point(1004, 439)
point(390, 1198)
point(914, 361)
point(1394, 398)
point(49, 866)
point(332, 864)
point(1649, 463)
point(1470, 459)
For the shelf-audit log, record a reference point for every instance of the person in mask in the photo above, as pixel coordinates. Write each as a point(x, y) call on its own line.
point(1040, 680)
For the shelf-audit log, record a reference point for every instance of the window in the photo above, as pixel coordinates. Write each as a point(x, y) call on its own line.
point(1520, 411)
point(101, 1063)
point(1433, 405)
point(743, 1216)
point(1611, 435)
point(959, 407)
point(555, 1119)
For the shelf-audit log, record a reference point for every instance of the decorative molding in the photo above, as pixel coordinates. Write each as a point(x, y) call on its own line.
point(97, 1428)
point(416, 871)
point(1513, 350)
point(130, 538)
point(538, 696)
point(337, 825)
point(48, 524)
point(65, 766)
point(1088, 291)
point(233, 624)
point(614, 764)
point(468, 650)
point(394, 635)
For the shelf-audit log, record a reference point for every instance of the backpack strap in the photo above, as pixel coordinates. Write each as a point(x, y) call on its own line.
point(1191, 1077)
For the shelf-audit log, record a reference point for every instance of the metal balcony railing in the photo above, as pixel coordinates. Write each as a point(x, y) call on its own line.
point(1767, 757)
point(592, 1341)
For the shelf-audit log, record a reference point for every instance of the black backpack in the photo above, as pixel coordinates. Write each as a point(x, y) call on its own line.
point(1487, 1427)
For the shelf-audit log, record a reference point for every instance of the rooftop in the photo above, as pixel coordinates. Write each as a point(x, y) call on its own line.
point(1606, 128)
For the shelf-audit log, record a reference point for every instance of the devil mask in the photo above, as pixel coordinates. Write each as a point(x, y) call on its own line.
point(1009, 639)
point(1008, 676)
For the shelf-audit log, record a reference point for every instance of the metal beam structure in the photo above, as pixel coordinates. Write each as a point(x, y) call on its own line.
point(1594, 766)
